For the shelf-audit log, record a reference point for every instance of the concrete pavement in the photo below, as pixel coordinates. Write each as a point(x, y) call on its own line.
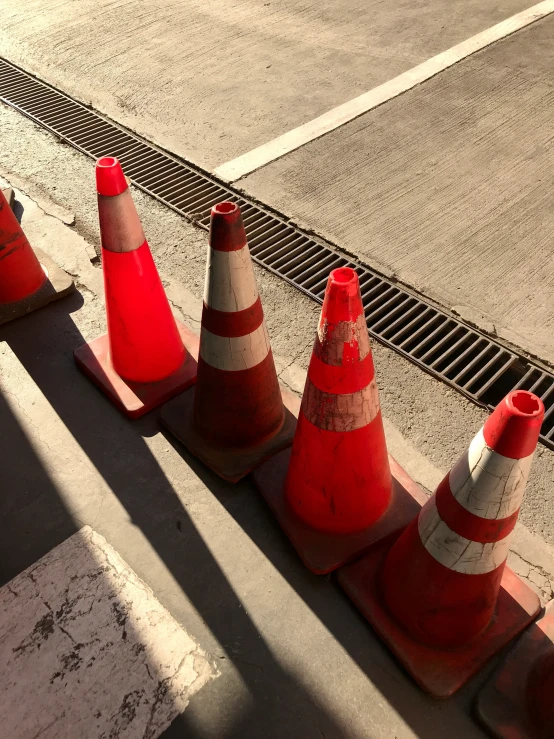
point(464, 159)
point(212, 80)
point(448, 187)
point(295, 657)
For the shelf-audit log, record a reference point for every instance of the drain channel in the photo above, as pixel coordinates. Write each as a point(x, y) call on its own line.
point(465, 359)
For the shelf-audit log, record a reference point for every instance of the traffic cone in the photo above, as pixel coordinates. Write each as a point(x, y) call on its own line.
point(337, 497)
point(441, 596)
point(25, 282)
point(234, 417)
point(518, 702)
point(147, 356)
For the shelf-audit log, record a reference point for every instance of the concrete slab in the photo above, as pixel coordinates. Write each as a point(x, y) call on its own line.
point(99, 655)
point(447, 187)
point(295, 658)
point(212, 80)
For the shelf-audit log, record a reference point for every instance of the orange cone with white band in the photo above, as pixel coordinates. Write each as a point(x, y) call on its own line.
point(25, 282)
point(338, 490)
point(340, 423)
point(518, 701)
point(143, 360)
point(444, 580)
point(236, 417)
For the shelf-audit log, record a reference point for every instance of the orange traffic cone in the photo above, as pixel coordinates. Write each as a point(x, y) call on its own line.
point(441, 596)
point(338, 496)
point(234, 417)
point(147, 356)
point(25, 282)
point(518, 702)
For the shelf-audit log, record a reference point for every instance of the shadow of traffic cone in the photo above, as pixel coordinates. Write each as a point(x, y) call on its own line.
point(441, 596)
point(338, 496)
point(28, 280)
point(234, 418)
point(147, 356)
point(518, 702)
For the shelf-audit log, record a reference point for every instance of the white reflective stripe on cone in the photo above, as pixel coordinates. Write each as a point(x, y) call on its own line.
point(487, 483)
point(230, 283)
point(342, 413)
point(237, 352)
point(455, 551)
point(329, 346)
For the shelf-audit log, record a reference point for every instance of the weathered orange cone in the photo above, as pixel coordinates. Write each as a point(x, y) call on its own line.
point(234, 417)
point(338, 496)
point(441, 596)
point(25, 283)
point(518, 702)
point(147, 356)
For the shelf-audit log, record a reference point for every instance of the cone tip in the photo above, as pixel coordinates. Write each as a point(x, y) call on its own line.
point(110, 179)
point(345, 278)
point(514, 426)
point(230, 211)
point(524, 404)
point(342, 300)
point(226, 227)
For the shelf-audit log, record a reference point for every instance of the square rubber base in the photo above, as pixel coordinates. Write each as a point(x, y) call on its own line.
point(439, 672)
point(58, 285)
point(135, 398)
point(322, 552)
point(502, 704)
point(230, 464)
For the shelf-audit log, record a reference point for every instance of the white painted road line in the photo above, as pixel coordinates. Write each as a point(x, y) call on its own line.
point(262, 155)
point(86, 650)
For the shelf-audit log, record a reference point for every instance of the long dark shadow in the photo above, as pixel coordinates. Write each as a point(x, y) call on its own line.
point(279, 705)
point(33, 517)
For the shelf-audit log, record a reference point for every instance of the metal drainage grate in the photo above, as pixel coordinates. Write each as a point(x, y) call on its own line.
point(465, 359)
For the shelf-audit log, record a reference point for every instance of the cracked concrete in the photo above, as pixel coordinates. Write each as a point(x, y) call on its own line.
point(79, 630)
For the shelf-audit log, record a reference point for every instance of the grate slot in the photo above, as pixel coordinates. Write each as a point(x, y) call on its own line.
point(280, 249)
point(476, 366)
point(152, 179)
point(259, 228)
point(403, 326)
point(474, 363)
point(252, 219)
point(268, 246)
point(314, 270)
point(167, 191)
point(65, 121)
point(318, 291)
point(127, 148)
point(143, 164)
point(100, 141)
point(73, 132)
point(294, 266)
point(402, 303)
point(444, 341)
point(316, 277)
point(41, 101)
point(463, 344)
point(156, 168)
point(384, 298)
point(195, 204)
point(192, 192)
point(291, 258)
point(495, 377)
point(546, 395)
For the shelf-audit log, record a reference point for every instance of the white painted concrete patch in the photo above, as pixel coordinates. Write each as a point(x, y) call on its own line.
point(278, 147)
point(87, 651)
